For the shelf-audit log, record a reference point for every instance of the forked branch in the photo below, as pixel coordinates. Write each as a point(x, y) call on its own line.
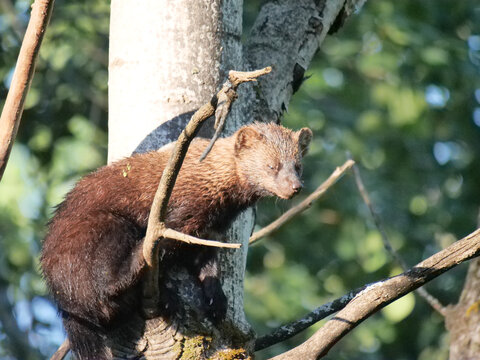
point(156, 228)
point(158, 212)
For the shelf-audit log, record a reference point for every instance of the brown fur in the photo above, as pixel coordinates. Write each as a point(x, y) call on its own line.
point(92, 258)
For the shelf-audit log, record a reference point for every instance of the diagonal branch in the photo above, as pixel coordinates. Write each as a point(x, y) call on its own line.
point(22, 78)
point(376, 296)
point(156, 229)
point(158, 212)
point(304, 205)
point(287, 331)
point(430, 299)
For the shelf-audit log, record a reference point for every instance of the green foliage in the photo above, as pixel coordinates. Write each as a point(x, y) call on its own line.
point(397, 87)
point(61, 137)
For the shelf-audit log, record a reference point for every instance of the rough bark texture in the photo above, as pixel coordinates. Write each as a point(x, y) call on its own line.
point(168, 58)
point(286, 35)
point(463, 319)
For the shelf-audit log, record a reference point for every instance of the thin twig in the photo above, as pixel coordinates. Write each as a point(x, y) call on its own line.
point(221, 113)
point(156, 227)
point(176, 235)
point(287, 331)
point(22, 78)
point(431, 300)
point(212, 142)
point(225, 103)
point(380, 294)
point(304, 205)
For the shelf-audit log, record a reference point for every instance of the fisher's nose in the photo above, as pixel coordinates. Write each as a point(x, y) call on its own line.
point(297, 186)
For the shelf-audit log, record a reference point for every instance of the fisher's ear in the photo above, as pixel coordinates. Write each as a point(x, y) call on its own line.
point(304, 137)
point(247, 137)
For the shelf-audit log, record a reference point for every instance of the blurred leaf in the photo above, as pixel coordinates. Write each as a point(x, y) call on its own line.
point(435, 56)
point(369, 121)
point(32, 99)
point(400, 309)
point(397, 35)
point(378, 65)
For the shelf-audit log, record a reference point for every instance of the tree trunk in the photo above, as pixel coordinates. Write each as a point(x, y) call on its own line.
point(166, 59)
point(463, 319)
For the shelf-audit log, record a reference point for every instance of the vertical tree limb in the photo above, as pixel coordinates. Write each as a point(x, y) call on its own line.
point(463, 319)
point(286, 34)
point(22, 78)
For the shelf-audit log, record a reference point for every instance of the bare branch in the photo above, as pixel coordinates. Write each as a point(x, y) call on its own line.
point(22, 78)
point(287, 331)
point(156, 228)
point(159, 207)
point(239, 77)
point(380, 294)
point(434, 302)
point(215, 136)
point(304, 205)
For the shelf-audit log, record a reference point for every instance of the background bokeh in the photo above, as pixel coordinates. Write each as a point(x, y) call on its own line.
point(398, 87)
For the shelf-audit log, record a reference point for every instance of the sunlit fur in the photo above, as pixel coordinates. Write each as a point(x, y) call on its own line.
point(92, 255)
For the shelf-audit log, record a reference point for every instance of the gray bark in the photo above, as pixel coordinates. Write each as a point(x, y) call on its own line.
point(166, 59)
point(463, 319)
point(286, 35)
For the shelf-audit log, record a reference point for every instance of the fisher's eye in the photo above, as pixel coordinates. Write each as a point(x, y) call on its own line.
point(273, 168)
